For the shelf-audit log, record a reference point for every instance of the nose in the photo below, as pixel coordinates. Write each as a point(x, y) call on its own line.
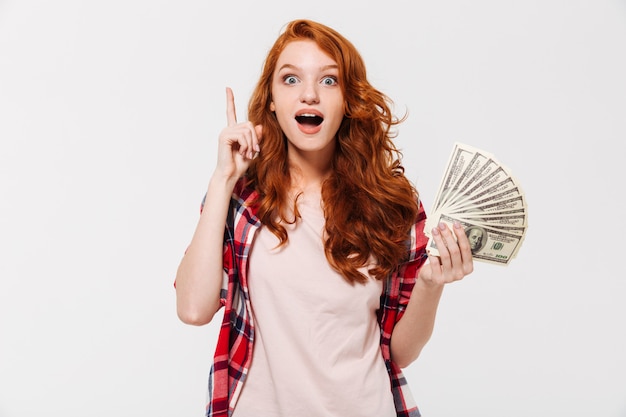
point(309, 94)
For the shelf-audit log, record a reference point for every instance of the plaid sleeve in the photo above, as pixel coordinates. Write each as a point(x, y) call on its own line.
point(228, 258)
point(233, 351)
point(394, 300)
point(408, 271)
point(399, 285)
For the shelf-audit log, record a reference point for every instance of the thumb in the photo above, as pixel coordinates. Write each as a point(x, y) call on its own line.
point(258, 129)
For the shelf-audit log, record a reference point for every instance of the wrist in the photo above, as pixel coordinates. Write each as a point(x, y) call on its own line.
point(428, 285)
point(222, 181)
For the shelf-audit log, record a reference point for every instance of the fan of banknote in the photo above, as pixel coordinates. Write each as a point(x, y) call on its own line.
point(482, 195)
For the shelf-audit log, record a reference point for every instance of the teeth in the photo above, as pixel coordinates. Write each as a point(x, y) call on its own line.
point(307, 115)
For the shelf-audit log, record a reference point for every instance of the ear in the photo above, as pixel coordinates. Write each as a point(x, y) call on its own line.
point(272, 107)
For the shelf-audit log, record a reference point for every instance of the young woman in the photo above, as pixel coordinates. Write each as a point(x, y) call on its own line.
point(321, 269)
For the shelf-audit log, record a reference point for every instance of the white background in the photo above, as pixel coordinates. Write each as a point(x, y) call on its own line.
point(109, 114)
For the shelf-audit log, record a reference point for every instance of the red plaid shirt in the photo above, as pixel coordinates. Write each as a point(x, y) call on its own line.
point(236, 337)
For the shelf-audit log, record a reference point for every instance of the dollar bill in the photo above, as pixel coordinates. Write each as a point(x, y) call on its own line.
point(482, 195)
point(457, 164)
point(486, 243)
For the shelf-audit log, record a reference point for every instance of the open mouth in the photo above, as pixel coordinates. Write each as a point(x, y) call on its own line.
point(309, 119)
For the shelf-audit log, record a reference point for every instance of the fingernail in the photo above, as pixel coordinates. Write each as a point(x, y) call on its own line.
point(256, 148)
point(435, 231)
point(442, 226)
point(457, 224)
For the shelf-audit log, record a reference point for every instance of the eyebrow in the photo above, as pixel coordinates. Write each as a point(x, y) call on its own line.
point(324, 68)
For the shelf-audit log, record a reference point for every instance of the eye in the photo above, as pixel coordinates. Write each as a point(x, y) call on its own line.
point(329, 80)
point(290, 79)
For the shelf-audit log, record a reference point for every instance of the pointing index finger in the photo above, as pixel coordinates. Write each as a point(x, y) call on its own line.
point(231, 115)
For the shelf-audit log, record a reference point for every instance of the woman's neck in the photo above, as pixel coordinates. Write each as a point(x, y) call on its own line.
point(308, 174)
point(306, 182)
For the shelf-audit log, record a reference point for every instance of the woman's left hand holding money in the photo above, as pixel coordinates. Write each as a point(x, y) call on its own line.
point(455, 257)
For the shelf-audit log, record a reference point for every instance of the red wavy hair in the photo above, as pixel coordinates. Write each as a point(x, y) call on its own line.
point(369, 205)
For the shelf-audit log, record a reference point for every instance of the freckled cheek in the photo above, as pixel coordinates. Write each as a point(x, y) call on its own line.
point(337, 117)
point(283, 121)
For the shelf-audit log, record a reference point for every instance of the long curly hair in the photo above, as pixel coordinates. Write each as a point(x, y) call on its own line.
point(369, 205)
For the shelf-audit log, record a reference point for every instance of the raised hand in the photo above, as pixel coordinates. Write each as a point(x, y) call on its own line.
point(238, 142)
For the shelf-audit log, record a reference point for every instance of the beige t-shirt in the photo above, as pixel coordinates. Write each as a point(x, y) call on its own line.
point(317, 341)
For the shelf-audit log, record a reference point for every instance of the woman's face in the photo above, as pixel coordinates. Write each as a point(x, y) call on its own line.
point(307, 99)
